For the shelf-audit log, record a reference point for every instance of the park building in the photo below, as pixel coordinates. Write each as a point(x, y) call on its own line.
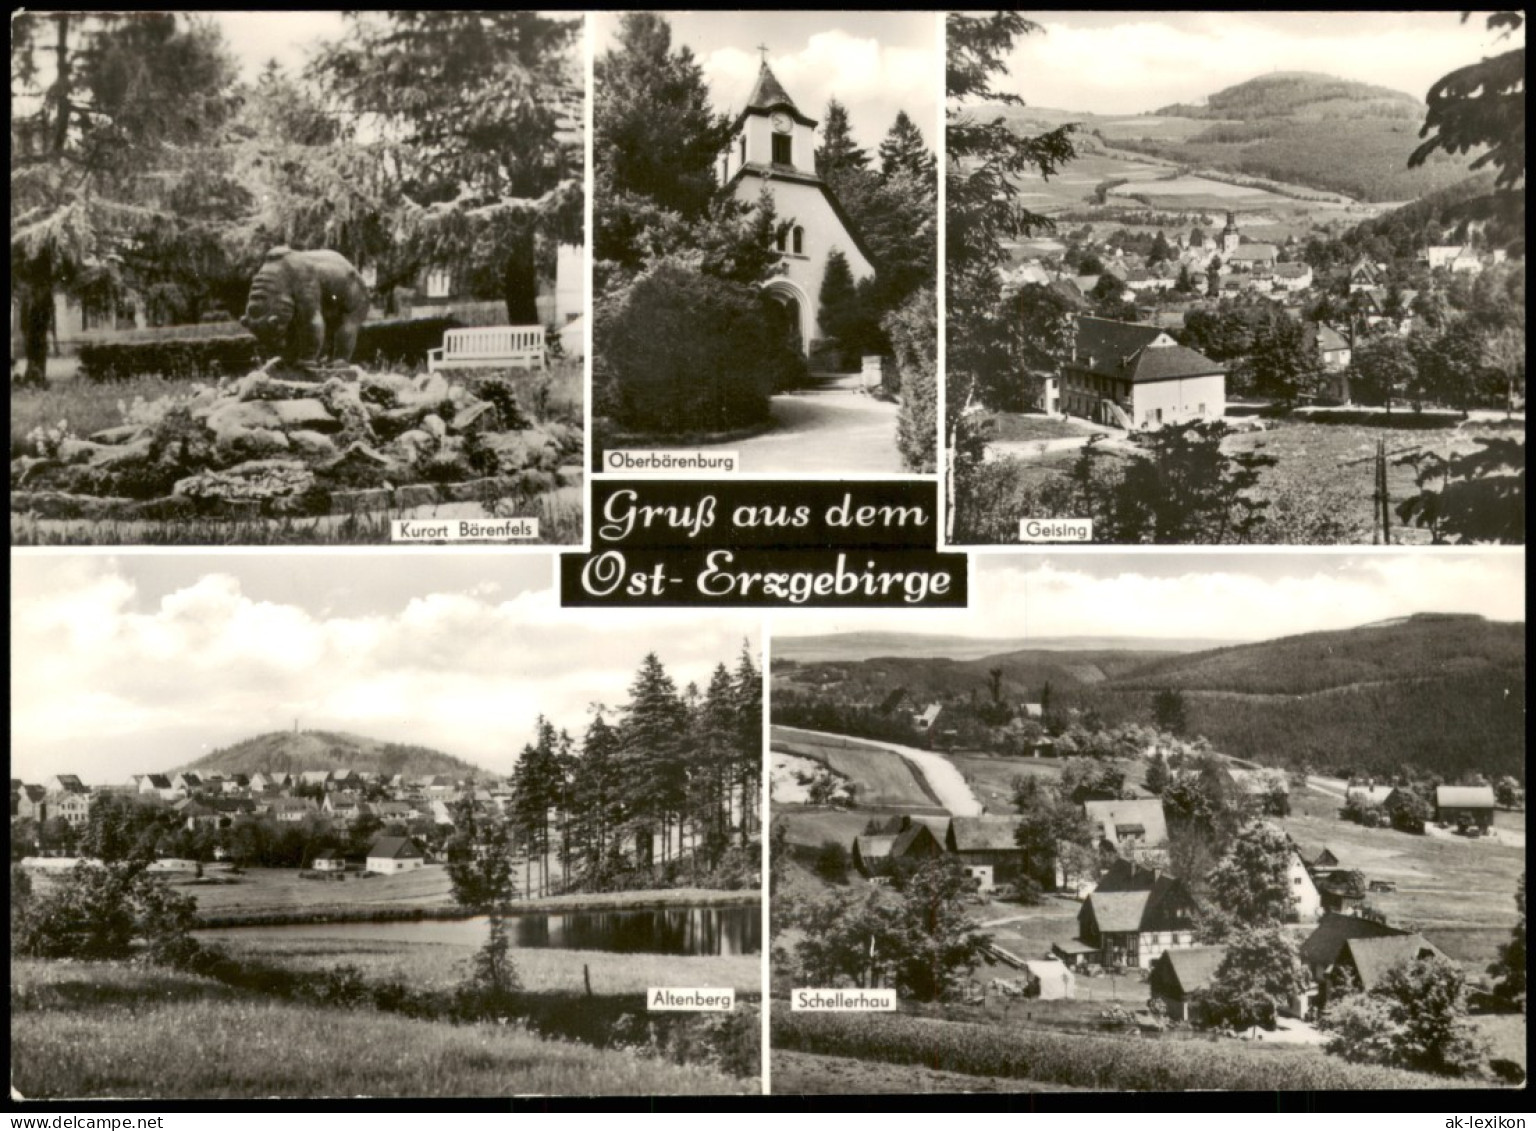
point(1134, 376)
point(773, 147)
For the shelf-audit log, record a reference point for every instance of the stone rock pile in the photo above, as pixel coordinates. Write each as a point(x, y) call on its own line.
point(334, 440)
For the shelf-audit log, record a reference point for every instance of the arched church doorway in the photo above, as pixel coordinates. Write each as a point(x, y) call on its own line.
point(789, 311)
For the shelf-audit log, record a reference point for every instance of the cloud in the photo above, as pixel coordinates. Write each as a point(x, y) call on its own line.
point(105, 683)
point(1137, 62)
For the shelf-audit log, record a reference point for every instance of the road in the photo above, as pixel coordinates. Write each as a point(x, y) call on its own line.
point(830, 429)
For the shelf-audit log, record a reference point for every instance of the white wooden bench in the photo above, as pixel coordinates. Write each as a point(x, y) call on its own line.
point(489, 347)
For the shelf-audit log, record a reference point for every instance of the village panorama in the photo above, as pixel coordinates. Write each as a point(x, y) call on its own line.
point(1298, 285)
point(323, 897)
point(1115, 860)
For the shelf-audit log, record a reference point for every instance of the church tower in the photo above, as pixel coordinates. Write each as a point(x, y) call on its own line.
point(773, 145)
point(1229, 237)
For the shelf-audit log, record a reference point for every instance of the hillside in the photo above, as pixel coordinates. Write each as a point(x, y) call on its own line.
point(1445, 693)
point(1294, 127)
point(1440, 692)
point(1312, 129)
point(1304, 95)
point(292, 752)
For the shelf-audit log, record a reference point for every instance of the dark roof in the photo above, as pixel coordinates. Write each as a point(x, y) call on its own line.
point(1374, 957)
point(1171, 362)
point(769, 94)
point(980, 834)
point(159, 781)
point(915, 834)
point(393, 848)
point(1324, 945)
point(1118, 910)
point(1193, 967)
point(1102, 343)
point(1127, 875)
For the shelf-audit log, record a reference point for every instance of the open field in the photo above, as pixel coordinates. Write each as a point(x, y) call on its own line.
point(991, 778)
point(883, 778)
point(811, 1074)
point(1017, 427)
point(268, 894)
point(97, 1030)
point(440, 966)
point(1440, 883)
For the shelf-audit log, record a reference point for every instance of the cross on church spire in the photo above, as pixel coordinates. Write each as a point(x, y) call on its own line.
point(764, 50)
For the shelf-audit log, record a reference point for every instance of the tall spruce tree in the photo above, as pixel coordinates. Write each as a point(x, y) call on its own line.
point(903, 152)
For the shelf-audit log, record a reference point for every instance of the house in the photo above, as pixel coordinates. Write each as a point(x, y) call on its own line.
point(1363, 961)
point(314, 778)
point(291, 810)
point(1366, 275)
point(32, 803)
point(1131, 928)
point(195, 815)
point(1050, 980)
point(391, 854)
point(329, 862)
point(65, 783)
point(343, 808)
point(1178, 978)
point(1253, 257)
point(158, 785)
point(1031, 711)
point(1322, 948)
point(1332, 347)
point(1292, 277)
point(1456, 258)
point(235, 783)
point(987, 848)
point(261, 782)
point(1129, 826)
point(1306, 900)
point(873, 855)
point(1136, 376)
point(773, 147)
point(70, 807)
point(1368, 796)
point(923, 721)
point(186, 782)
point(1465, 805)
point(1128, 875)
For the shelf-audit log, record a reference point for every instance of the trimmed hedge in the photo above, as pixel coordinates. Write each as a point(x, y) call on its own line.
point(402, 343)
point(682, 352)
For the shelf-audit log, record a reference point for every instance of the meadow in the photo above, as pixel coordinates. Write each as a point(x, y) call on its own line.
point(119, 1031)
point(883, 777)
point(1101, 1063)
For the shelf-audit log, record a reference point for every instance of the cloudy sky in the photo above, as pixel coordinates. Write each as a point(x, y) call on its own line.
point(1135, 62)
point(874, 63)
point(1224, 595)
point(134, 663)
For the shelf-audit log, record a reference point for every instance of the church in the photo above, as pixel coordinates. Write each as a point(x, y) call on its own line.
point(773, 144)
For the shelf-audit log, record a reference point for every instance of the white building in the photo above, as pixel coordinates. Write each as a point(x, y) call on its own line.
point(1136, 376)
point(773, 146)
point(392, 854)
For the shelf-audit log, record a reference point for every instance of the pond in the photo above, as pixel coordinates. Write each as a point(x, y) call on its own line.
point(669, 930)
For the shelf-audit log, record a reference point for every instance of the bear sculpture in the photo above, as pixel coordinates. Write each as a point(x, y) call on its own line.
point(306, 306)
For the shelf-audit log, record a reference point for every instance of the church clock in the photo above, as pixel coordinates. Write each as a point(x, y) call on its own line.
point(782, 122)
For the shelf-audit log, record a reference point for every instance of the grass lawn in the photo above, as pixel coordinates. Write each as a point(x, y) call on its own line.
point(1022, 426)
point(881, 777)
point(439, 966)
point(809, 1074)
point(1506, 1034)
point(96, 1030)
point(991, 778)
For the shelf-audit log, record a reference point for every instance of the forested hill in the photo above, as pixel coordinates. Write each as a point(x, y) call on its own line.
point(1301, 94)
point(1444, 693)
point(295, 751)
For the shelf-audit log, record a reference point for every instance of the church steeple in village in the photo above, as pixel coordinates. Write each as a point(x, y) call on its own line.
point(773, 147)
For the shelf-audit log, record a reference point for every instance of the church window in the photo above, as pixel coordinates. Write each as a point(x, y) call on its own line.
point(743, 149)
point(783, 152)
point(799, 241)
point(782, 240)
